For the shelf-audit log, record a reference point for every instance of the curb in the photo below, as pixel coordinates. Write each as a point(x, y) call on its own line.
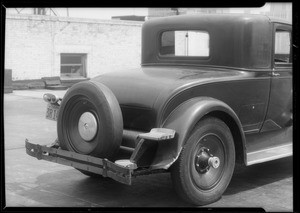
point(40, 84)
point(19, 85)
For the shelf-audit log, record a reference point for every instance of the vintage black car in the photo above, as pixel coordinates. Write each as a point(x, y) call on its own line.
point(212, 91)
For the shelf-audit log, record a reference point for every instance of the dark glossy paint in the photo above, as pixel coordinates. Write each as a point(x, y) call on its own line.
point(238, 79)
point(149, 94)
point(241, 41)
point(280, 110)
point(183, 120)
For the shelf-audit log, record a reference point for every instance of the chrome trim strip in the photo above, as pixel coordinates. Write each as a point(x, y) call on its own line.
point(269, 154)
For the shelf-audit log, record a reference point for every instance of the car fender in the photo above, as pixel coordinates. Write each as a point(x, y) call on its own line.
point(183, 119)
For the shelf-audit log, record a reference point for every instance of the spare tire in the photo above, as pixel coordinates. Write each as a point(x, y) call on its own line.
point(90, 120)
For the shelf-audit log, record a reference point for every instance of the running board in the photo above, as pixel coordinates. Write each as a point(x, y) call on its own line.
point(269, 154)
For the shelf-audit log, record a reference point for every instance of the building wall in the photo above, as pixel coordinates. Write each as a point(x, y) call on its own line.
point(33, 44)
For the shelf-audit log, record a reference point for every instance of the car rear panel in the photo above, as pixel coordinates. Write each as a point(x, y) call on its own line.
point(142, 93)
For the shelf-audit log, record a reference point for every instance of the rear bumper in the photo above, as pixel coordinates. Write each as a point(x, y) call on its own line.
point(120, 172)
point(88, 163)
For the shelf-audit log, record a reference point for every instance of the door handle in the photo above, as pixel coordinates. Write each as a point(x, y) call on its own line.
point(275, 74)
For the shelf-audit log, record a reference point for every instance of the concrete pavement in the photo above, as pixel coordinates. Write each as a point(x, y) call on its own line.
point(30, 182)
point(24, 117)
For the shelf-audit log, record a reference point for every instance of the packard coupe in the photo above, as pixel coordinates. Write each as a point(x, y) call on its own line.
point(212, 91)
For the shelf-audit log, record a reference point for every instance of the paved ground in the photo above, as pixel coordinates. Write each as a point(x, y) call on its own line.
point(30, 182)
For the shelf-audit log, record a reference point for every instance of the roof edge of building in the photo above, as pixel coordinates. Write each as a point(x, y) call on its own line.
point(72, 19)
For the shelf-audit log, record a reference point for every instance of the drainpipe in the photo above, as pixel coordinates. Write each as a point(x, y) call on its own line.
point(54, 32)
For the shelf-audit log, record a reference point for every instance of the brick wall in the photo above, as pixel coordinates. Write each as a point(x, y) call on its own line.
point(34, 43)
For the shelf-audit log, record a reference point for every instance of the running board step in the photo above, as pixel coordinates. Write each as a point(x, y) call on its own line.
point(269, 154)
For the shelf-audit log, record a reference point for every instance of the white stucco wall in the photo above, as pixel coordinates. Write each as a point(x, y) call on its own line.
point(33, 44)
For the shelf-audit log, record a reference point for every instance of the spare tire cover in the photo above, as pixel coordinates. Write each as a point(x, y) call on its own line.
point(90, 120)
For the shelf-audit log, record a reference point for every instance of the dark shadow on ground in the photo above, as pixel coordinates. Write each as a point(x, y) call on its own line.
point(70, 188)
point(247, 178)
point(145, 191)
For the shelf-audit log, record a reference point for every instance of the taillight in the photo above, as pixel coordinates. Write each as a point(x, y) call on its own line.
point(50, 98)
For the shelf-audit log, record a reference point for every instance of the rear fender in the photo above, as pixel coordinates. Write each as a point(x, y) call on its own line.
point(183, 119)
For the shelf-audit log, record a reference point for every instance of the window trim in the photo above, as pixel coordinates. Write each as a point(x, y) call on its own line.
point(185, 58)
point(287, 28)
point(83, 57)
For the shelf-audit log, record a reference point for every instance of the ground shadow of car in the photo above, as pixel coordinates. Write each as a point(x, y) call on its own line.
point(149, 191)
point(247, 178)
point(145, 191)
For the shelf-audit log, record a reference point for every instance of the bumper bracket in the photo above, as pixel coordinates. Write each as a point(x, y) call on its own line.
point(88, 163)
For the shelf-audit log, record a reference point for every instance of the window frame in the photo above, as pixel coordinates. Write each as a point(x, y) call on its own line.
point(285, 28)
point(161, 56)
point(83, 57)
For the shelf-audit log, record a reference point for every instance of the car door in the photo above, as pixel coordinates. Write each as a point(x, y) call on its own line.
point(280, 112)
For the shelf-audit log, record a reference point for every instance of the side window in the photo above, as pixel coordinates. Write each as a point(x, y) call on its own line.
point(185, 43)
point(282, 54)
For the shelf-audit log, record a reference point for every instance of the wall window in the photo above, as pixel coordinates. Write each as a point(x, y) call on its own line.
point(282, 47)
point(185, 43)
point(73, 65)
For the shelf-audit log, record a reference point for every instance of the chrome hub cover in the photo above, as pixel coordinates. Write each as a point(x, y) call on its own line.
point(87, 126)
point(214, 162)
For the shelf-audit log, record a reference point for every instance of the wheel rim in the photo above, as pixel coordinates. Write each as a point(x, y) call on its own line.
point(87, 126)
point(81, 114)
point(207, 162)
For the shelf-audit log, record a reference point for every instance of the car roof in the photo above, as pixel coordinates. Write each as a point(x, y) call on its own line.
point(236, 40)
point(231, 17)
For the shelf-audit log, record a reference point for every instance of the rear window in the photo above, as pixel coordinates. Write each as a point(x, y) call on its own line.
point(185, 43)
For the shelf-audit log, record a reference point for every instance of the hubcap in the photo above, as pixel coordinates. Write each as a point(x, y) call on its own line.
point(214, 162)
point(87, 126)
point(204, 160)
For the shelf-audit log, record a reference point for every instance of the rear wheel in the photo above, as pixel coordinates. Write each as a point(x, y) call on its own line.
point(205, 166)
point(90, 120)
